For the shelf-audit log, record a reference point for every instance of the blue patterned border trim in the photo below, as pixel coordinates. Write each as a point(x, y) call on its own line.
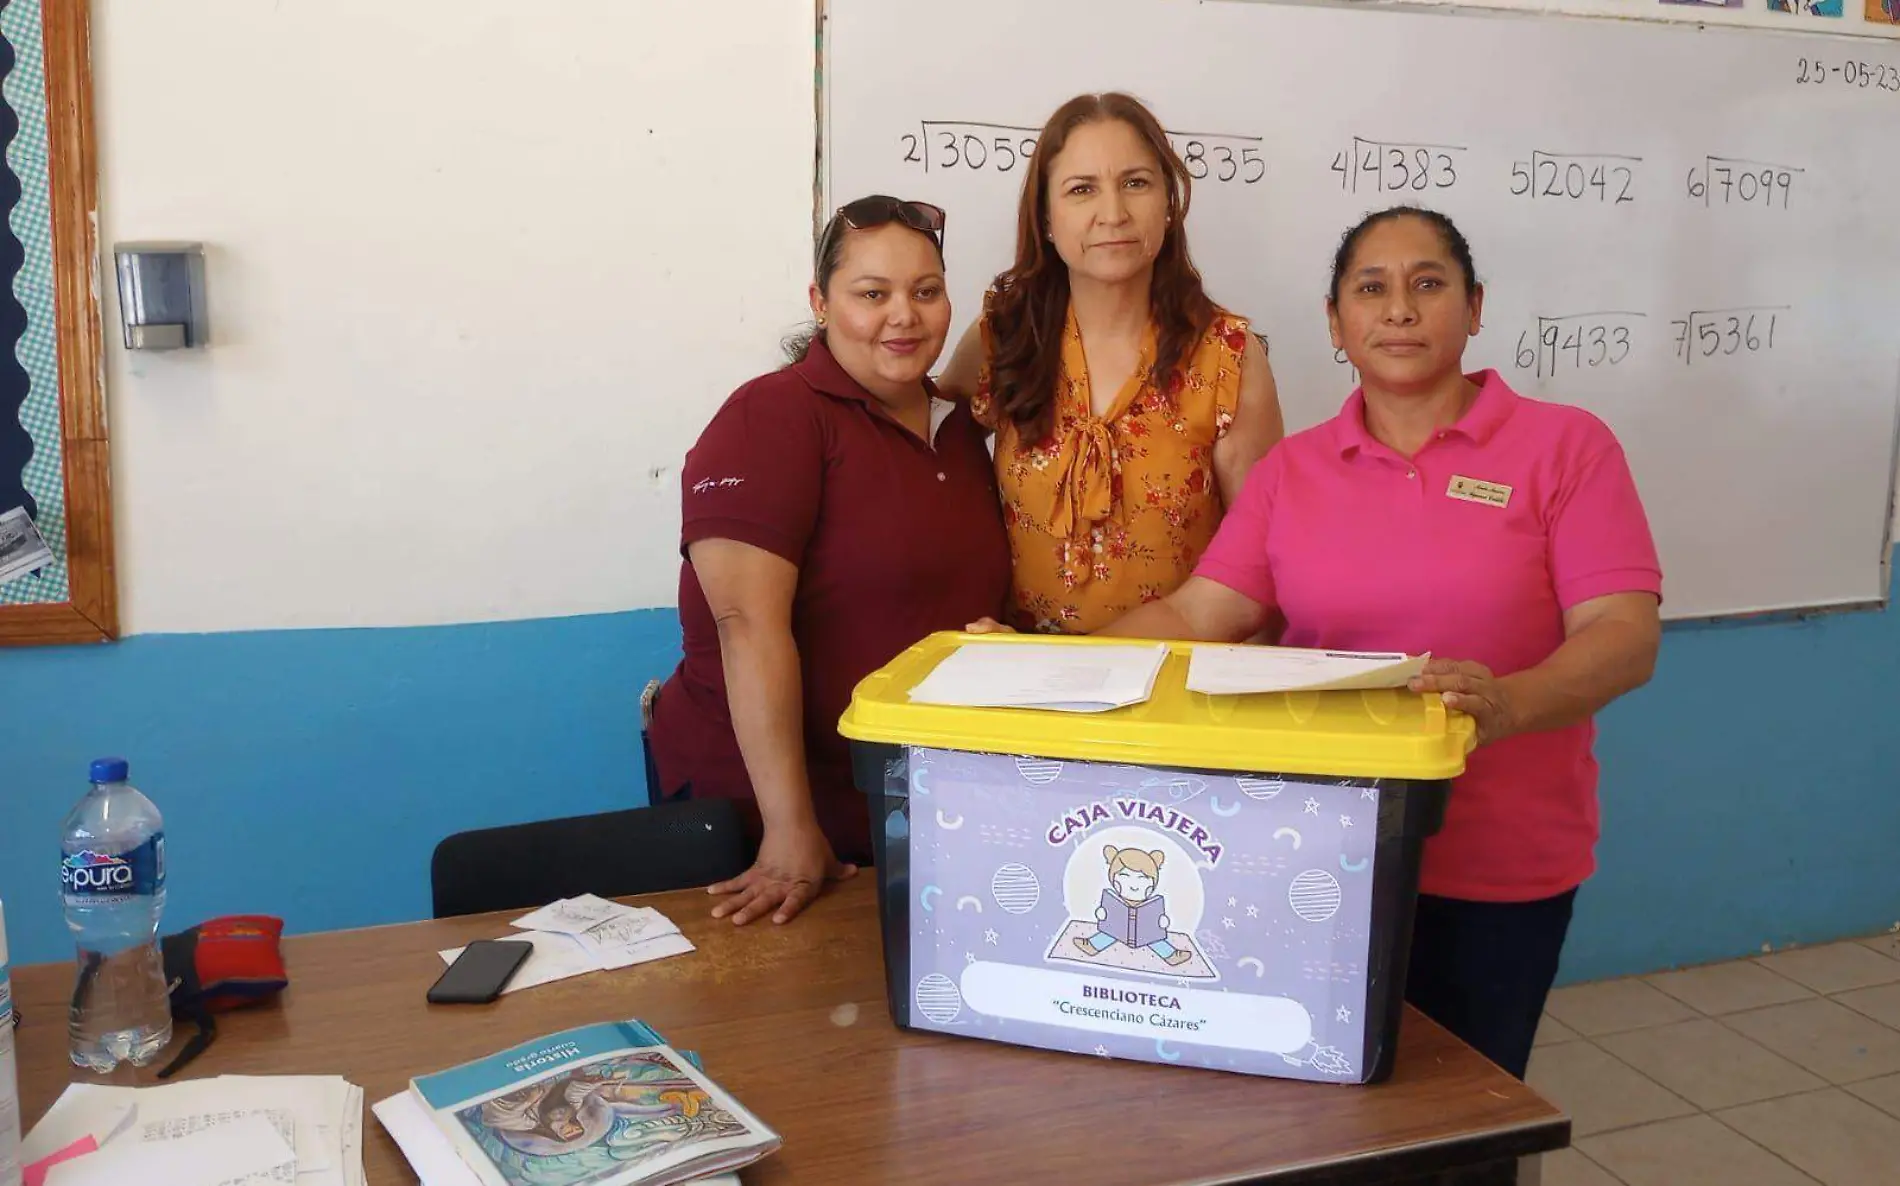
point(24, 91)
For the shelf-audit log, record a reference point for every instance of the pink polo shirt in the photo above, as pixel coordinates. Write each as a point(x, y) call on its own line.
point(1363, 550)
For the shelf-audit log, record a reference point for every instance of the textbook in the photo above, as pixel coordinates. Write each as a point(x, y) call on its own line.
point(602, 1105)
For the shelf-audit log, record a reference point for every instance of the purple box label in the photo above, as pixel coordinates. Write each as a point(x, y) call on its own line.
point(1134, 912)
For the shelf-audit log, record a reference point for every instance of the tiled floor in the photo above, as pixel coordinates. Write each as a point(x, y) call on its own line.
point(1777, 1071)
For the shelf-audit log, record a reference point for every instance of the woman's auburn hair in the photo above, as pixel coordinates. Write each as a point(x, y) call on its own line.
point(1028, 306)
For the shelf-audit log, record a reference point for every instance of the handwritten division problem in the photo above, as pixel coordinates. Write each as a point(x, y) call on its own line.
point(940, 146)
point(1379, 167)
point(1586, 341)
point(1393, 167)
point(1712, 333)
point(1731, 181)
point(1577, 176)
point(1577, 340)
point(944, 145)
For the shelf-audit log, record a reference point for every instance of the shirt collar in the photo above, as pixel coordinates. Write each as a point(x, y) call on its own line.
point(822, 371)
point(1481, 421)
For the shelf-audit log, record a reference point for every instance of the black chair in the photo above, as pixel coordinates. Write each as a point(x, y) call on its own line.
point(643, 850)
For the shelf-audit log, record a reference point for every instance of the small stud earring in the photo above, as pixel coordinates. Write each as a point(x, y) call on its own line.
point(821, 322)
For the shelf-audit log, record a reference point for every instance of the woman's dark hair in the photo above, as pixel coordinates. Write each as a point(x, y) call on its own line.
point(1030, 303)
point(1448, 234)
point(797, 344)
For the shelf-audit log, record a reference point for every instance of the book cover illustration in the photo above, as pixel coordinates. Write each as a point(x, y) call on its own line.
point(591, 1123)
point(600, 1105)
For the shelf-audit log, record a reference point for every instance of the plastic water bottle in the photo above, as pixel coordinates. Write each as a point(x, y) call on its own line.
point(112, 878)
point(9, 1076)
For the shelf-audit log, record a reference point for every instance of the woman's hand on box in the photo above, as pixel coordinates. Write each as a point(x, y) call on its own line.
point(794, 865)
point(1470, 688)
point(988, 626)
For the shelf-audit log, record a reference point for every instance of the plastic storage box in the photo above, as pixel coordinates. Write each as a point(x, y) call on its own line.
point(1214, 881)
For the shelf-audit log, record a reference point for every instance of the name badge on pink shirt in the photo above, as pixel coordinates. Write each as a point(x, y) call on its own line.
point(1472, 490)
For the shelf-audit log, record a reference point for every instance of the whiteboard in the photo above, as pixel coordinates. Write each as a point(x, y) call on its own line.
point(1694, 234)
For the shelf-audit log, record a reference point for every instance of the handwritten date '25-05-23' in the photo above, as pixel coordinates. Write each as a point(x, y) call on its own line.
point(1847, 72)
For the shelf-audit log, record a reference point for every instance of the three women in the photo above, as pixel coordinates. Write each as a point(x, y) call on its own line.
point(1439, 511)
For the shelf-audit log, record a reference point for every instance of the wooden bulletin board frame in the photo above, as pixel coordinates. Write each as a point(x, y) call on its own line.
point(89, 610)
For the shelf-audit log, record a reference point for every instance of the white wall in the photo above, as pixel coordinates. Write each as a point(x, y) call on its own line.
point(479, 270)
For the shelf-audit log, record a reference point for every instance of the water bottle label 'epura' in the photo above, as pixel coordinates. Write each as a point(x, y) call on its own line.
point(90, 874)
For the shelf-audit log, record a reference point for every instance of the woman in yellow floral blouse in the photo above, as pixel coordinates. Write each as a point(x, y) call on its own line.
point(1127, 406)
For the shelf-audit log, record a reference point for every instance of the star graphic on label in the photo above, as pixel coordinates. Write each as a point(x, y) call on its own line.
point(1345, 821)
point(990, 937)
point(1253, 912)
point(1101, 1052)
point(1233, 902)
point(1312, 807)
point(1369, 793)
point(1344, 1014)
point(969, 957)
point(1228, 923)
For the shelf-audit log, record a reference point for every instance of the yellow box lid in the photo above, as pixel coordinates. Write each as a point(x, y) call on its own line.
point(1382, 733)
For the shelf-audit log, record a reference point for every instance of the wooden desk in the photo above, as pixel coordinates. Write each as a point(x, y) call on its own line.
point(792, 1020)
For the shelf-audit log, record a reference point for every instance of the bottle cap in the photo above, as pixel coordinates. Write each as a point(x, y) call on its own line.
point(110, 769)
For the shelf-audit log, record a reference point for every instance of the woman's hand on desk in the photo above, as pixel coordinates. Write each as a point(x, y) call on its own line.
point(794, 865)
point(1470, 688)
point(988, 626)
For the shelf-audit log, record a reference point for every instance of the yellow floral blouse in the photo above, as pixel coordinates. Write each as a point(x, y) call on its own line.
point(1114, 511)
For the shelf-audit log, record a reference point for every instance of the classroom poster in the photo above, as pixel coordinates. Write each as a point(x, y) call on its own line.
point(32, 480)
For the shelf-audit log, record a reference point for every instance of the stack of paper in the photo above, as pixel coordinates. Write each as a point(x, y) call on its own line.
point(1239, 670)
point(588, 934)
point(233, 1130)
point(1056, 676)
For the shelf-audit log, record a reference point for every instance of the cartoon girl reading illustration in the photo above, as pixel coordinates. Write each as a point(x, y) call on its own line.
point(1131, 912)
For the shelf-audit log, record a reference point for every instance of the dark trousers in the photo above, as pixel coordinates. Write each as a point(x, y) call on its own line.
point(1483, 970)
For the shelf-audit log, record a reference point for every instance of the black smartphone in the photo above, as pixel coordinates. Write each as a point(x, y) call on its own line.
point(480, 973)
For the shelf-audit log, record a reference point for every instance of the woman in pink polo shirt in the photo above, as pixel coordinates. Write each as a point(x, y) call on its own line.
point(1440, 511)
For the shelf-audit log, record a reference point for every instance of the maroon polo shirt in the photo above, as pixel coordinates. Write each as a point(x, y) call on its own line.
point(894, 538)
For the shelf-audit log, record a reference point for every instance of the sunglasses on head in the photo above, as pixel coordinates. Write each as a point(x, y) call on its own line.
point(877, 210)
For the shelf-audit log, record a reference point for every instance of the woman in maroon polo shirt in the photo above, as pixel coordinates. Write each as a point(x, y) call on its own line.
point(834, 513)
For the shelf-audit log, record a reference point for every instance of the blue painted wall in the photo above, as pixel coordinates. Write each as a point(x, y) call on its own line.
point(1751, 795)
point(309, 774)
point(1751, 792)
